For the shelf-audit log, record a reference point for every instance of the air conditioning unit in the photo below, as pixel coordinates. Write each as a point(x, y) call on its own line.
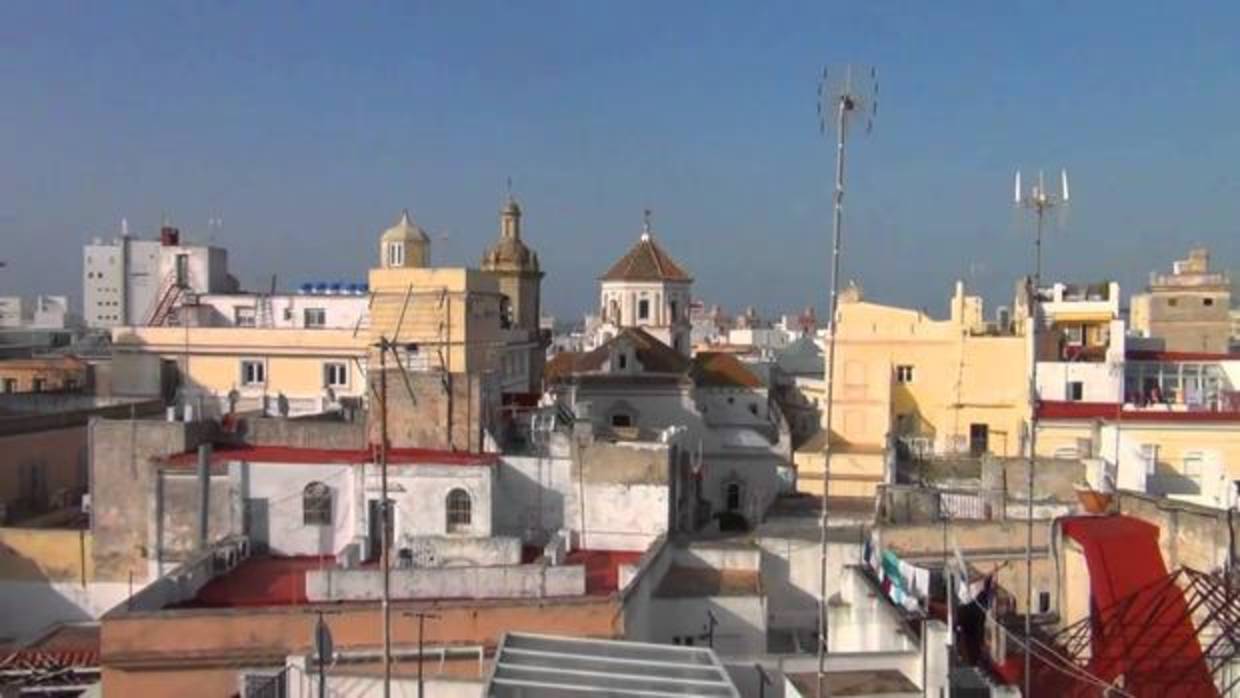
point(86, 503)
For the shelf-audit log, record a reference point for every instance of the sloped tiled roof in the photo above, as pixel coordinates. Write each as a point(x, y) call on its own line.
point(713, 369)
point(653, 355)
point(646, 261)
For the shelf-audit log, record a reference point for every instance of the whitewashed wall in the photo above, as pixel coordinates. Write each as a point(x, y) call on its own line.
point(282, 486)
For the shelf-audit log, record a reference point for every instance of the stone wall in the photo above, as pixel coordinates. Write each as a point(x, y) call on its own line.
point(431, 410)
point(121, 482)
point(304, 433)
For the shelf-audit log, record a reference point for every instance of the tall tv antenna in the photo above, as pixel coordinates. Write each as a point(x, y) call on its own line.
point(844, 95)
point(1040, 201)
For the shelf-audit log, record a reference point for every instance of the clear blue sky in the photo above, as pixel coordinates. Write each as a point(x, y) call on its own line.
point(307, 127)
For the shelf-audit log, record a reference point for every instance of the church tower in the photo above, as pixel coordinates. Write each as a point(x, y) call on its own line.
point(516, 268)
point(647, 289)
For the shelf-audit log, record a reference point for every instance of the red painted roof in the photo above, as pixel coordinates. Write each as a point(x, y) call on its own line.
point(1054, 409)
point(260, 581)
point(292, 454)
point(281, 581)
point(1143, 355)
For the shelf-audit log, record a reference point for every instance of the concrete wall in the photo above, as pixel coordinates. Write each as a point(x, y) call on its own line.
point(621, 500)
point(741, 628)
point(121, 482)
point(790, 574)
point(1189, 535)
point(174, 525)
point(498, 582)
point(533, 495)
point(304, 433)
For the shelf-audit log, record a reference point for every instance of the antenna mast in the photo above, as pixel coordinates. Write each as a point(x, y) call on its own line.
point(1039, 201)
point(842, 95)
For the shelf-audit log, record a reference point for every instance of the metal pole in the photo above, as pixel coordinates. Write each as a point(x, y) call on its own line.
point(421, 628)
point(385, 521)
point(1039, 207)
point(845, 103)
point(322, 664)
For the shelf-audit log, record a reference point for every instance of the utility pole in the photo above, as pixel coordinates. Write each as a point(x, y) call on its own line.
point(853, 94)
point(385, 521)
point(1038, 201)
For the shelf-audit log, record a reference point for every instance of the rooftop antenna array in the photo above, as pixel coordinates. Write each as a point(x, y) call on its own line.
point(1040, 201)
point(844, 95)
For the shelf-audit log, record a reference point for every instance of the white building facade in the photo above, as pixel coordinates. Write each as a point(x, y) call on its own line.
point(126, 281)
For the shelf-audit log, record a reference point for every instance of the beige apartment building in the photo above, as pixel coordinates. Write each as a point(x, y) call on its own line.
point(1189, 309)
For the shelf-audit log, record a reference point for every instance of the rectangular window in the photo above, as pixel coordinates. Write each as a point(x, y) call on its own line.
point(1044, 602)
point(243, 316)
point(336, 374)
point(1207, 301)
point(315, 317)
point(904, 373)
point(1076, 391)
point(621, 420)
point(1193, 461)
point(643, 309)
point(37, 385)
point(10, 385)
point(253, 373)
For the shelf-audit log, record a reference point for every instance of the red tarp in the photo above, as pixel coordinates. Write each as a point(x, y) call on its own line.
point(1141, 628)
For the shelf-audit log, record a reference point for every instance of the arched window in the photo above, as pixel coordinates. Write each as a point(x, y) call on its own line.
point(460, 512)
point(316, 505)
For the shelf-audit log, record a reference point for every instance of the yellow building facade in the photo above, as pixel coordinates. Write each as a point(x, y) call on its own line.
point(951, 386)
point(440, 324)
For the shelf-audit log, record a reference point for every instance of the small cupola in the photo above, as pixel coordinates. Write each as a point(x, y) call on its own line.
point(404, 245)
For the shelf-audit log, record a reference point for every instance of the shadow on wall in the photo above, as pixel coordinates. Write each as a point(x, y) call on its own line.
point(33, 597)
point(533, 483)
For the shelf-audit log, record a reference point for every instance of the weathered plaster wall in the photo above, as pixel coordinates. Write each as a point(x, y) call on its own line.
point(121, 482)
point(498, 582)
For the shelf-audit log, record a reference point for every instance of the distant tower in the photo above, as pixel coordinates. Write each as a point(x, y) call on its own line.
point(404, 245)
point(516, 267)
point(647, 289)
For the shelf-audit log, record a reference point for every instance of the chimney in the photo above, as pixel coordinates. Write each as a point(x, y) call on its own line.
point(204, 493)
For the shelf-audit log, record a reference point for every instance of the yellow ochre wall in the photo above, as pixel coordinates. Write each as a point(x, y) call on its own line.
point(210, 357)
point(46, 554)
point(452, 314)
point(959, 378)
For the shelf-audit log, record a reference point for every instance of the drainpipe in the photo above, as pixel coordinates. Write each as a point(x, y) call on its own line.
point(204, 493)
